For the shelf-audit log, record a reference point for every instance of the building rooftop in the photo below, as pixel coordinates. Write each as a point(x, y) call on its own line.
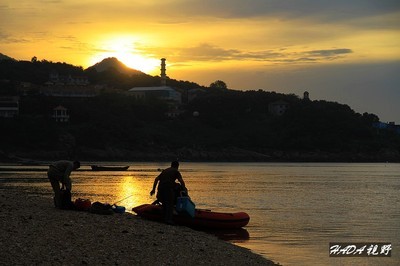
point(155, 88)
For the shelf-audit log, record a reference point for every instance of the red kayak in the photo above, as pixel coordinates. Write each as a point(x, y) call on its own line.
point(202, 218)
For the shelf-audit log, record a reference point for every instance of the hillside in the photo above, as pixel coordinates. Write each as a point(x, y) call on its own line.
point(113, 63)
point(5, 57)
point(228, 126)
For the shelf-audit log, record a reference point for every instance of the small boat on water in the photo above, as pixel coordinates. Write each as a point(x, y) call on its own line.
point(203, 219)
point(109, 168)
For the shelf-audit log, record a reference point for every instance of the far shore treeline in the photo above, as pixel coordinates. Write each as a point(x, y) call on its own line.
point(219, 124)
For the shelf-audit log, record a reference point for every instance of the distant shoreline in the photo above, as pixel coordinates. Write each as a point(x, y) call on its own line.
point(191, 155)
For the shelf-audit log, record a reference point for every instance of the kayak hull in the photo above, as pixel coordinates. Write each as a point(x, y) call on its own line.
point(109, 168)
point(205, 219)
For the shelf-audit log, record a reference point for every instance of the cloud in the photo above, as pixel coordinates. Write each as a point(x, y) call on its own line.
point(3, 35)
point(51, 1)
point(183, 11)
point(332, 52)
point(327, 54)
point(324, 9)
point(10, 39)
point(207, 52)
point(76, 46)
point(210, 53)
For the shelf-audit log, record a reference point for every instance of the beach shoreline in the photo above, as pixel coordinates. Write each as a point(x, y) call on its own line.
point(34, 232)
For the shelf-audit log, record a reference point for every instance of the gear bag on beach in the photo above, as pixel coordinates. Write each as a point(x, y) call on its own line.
point(101, 208)
point(185, 205)
point(82, 204)
point(65, 200)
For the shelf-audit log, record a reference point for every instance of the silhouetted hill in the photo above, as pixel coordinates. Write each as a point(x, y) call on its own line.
point(5, 57)
point(109, 72)
point(35, 72)
point(113, 63)
point(229, 125)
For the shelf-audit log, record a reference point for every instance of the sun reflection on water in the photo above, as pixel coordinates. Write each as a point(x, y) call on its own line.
point(126, 189)
point(132, 191)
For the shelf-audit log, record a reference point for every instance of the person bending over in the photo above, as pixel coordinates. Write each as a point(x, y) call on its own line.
point(59, 172)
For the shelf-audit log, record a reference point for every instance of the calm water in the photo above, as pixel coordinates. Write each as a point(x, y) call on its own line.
point(296, 209)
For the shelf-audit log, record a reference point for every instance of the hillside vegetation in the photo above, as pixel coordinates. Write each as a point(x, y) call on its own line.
point(229, 125)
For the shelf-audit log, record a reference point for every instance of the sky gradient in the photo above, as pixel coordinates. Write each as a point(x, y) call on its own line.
point(343, 51)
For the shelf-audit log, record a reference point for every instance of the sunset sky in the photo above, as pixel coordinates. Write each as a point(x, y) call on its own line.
point(346, 51)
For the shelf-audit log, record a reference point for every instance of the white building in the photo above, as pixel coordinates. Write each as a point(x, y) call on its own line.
point(278, 108)
point(60, 114)
point(161, 92)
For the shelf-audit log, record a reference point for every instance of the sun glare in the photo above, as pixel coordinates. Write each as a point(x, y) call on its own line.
point(123, 48)
point(144, 64)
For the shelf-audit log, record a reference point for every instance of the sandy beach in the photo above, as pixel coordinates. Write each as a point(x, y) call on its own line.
point(33, 232)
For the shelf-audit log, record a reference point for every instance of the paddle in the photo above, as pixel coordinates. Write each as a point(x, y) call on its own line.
point(122, 199)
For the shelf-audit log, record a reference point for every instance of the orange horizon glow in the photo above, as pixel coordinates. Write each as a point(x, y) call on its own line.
point(123, 47)
point(266, 44)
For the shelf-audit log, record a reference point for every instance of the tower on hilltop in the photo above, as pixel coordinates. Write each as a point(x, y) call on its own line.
point(163, 74)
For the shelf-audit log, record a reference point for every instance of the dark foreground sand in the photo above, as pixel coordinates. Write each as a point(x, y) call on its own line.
point(33, 232)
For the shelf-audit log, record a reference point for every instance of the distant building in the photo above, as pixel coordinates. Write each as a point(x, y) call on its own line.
point(69, 91)
point(163, 72)
point(9, 106)
point(173, 112)
point(161, 92)
point(25, 85)
point(389, 126)
point(56, 79)
point(278, 108)
point(306, 96)
point(60, 114)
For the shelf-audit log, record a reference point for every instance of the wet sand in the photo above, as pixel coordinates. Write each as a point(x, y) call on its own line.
point(33, 232)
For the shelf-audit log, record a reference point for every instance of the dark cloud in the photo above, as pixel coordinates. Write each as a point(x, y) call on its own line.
point(294, 61)
point(179, 12)
point(3, 35)
point(52, 1)
point(312, 56)
point(206, 52)
point(8, 38)
point(17, 40)
point(330, 52)
point(324, 9)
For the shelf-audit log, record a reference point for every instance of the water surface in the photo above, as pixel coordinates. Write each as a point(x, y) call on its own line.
point(296, 209)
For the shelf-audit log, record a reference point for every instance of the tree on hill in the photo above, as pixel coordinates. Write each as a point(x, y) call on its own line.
point(218, 84)
point(36, 72)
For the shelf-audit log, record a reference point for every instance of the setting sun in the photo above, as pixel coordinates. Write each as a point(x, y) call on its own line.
point(138, 62)
point(123, 48)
